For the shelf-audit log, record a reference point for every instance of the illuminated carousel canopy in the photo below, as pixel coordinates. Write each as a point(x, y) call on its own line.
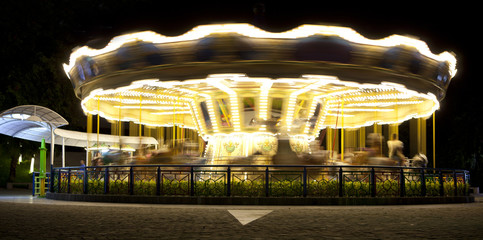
point(235, 80)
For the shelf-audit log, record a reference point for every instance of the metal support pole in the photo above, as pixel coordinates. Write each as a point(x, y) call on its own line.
point(341, 184)
point(68, 180)
point(192, 181)
point(174, 125)
point(402, 183)
point(34, 184)
point(441, 184)
point(455, 178)
point(106, 180)
point(267, 182)
point(373, 183)
point(51, 180)
point(131, 181)
point(423, 183)
point(86, 180)
point(52, 145)
point(43, 167)
point(305, 182)
point(89, 131)
point(98, 123)
point(140, 114)
point(342, 131)
point(158, 181)
point(228, 182)
point(434, 140)
point(59, 181)
point(63, 152)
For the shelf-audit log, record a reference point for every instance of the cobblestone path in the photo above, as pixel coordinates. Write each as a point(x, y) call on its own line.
point(23, 217)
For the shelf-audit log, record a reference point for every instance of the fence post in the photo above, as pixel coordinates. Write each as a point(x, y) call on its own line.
point(305, 182)
point(192, 181)
point(59, 180)
point(51, 179)
point(86, 180)
point(68, 181)
point(33, 183)
point(455, 177)
point(373, 183)
point(423, 183)
point(228, 180)
point(341, 185)
point(131, 181)
point(441, 183)
point(106, 180)
point(158, 181)
point(402, 183)
point(267, 183)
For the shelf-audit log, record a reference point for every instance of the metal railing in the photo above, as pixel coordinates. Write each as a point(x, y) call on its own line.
point(36, 183)
point(261, 181)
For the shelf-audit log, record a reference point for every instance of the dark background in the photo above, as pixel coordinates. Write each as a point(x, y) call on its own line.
point(38, 36)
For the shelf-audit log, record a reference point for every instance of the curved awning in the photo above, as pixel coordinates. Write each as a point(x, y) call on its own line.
point(34, 123)
point(30, 122)
point(80, 139)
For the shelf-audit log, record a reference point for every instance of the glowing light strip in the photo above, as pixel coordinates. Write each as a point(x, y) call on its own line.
point(251, 31)
point(201, 128)
point(153, 107)
point(339, 115)
point(320, 121)
point(315, 82)
point(99, 93)
point(210, 103)
point(383, 104)
point(313, 105)
point(363, 109)
point(263, 105)
point(171, 113)
point(380, 92)
point(217, 80)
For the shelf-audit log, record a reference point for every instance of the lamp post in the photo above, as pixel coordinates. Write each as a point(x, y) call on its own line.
point(42, 167)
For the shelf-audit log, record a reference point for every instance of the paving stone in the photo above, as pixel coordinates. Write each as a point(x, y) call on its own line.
point(22, 217)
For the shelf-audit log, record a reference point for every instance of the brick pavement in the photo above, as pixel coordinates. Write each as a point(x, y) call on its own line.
point(22, 217)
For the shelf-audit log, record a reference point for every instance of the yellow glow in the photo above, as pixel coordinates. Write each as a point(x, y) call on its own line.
point(253, 32)
point(393, 103)
point(218, 82)
point(263, 104)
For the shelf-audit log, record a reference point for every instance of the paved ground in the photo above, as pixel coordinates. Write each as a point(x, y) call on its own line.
point(24, 217)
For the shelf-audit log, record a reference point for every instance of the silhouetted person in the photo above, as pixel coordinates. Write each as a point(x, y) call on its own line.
point(395, 150)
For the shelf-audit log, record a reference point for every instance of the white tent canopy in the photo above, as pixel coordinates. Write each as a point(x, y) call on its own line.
point(34, 123)
point(30, 122)
point(79, 139)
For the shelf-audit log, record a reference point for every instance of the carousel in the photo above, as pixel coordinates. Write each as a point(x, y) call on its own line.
point(234, 91)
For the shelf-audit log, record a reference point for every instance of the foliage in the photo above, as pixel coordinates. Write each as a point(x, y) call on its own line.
point(283, 188)
point(10, 150)
point(248, 188)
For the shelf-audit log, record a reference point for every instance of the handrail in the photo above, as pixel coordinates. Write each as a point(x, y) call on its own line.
point(264, 166)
